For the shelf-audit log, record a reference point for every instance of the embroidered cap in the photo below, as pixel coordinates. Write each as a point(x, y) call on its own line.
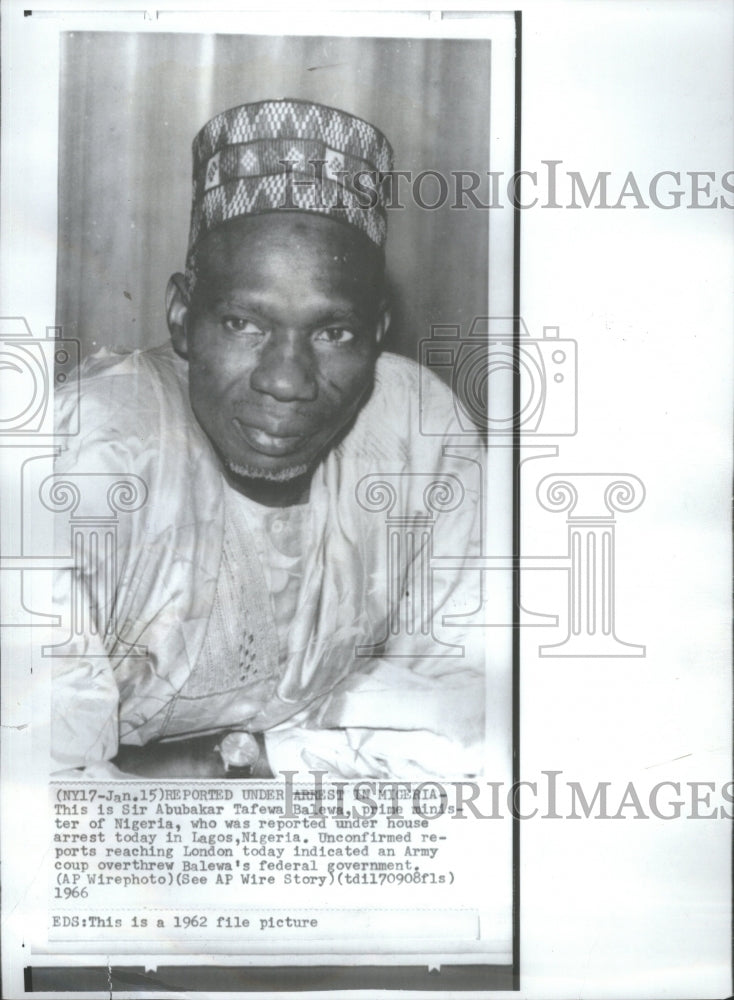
point(289, 155)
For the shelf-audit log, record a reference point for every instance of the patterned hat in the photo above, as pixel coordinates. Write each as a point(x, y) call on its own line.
point(289, 154)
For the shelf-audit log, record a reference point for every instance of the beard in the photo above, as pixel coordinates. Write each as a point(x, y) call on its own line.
point(267, 475)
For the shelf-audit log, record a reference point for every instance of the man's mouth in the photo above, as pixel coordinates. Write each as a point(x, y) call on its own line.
point(273, 445)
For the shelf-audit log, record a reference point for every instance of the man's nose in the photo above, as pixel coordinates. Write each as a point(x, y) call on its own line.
point(285, 369)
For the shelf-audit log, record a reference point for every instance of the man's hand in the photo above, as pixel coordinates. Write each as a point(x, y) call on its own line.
point(197, 757)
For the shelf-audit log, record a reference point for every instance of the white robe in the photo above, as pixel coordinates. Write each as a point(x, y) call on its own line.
point(403, 712)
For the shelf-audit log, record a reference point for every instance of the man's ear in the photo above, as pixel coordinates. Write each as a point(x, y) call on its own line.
point(383, 324)
point(177, 308)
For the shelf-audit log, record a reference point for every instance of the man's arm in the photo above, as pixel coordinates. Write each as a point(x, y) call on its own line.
point(197, 757)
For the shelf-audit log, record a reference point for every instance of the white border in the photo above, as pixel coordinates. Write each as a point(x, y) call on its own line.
point(28, 241)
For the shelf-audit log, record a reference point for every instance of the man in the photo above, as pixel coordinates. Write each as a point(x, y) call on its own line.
point(252, 621)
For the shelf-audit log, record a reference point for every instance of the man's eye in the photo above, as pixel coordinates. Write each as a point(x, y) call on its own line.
point(335, 335)
point(236, 324)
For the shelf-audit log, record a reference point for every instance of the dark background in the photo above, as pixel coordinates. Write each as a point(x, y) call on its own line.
point(131, 104)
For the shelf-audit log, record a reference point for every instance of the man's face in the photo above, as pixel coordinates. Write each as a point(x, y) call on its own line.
point(281, 337)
